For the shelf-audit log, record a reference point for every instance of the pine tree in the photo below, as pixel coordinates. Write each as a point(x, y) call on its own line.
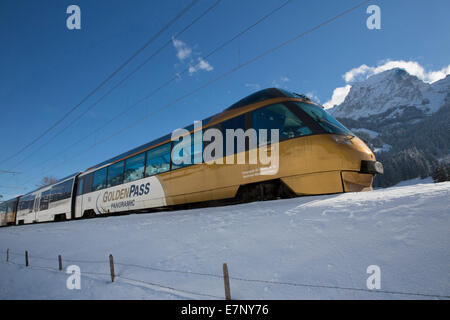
point(441, 173)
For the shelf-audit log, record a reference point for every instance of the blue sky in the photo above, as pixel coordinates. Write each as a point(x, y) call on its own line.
point(46, 69)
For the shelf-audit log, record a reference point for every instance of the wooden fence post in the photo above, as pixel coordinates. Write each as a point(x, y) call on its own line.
point(60, 262)
point(111, 267)
point(226, 281)
point(26, 258)
point(7, 255)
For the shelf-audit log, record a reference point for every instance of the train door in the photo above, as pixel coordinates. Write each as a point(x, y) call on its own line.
point(16, 208)
point(36, 207)
point(79, 199)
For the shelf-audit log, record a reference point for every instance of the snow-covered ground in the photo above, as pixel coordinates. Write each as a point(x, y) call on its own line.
point(385, 148)
point(322, 241)
point(414, 181)
point(372, 134)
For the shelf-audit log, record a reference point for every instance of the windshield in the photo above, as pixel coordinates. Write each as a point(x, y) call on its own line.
point(324, 119)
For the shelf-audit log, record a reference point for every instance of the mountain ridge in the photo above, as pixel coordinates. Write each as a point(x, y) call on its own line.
point(405, 121)
point(394, 88)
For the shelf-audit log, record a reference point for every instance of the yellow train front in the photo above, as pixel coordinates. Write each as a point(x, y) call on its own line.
point(317, 155)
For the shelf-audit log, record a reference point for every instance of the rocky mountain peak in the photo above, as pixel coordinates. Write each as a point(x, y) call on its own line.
point(393, 90)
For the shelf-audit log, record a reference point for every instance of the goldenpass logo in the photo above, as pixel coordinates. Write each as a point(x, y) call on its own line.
point(125, 193)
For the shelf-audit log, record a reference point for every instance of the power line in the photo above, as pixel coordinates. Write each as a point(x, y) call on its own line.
point(8, 172)
point(125, 79)
point(181, 13)
point(12, 187)
point(223, 75)
point(165, 84)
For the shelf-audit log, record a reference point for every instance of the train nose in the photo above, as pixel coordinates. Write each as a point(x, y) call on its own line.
point(373, 167)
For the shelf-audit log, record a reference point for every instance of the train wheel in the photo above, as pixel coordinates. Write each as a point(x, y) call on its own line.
point(261, 191)
point(88, 214)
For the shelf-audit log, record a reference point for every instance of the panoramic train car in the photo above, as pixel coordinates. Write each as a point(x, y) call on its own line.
point(8, 211)
point(50, 203)
point(309, 153)
point(317, 155)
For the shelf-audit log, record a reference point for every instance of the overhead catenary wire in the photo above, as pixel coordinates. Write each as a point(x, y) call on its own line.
point(207, 84)
point(165, 84)
point(91, 93)
point(13, 187)
point(159, 50)
point(8, 172)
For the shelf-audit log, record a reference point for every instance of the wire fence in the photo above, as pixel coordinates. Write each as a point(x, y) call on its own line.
point(28, 261)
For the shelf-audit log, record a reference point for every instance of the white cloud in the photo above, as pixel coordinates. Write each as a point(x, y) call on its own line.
point(201, 65)
point(364, 71)
point(183, 51)
point(338, 97)
point(253, 86)
point(412, 67)
point(279, 83)
point(313, 96)
point(204, 65)
point(355, 72)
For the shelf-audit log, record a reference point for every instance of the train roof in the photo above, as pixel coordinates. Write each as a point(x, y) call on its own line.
point(60, 180)
point(265, 94)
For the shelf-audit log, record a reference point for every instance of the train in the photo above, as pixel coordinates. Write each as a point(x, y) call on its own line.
point(316, 155)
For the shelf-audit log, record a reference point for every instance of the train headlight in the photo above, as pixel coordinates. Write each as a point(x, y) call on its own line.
point(373, 167)
point(342, 139)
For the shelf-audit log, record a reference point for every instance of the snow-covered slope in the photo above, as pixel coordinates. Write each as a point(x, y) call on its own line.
point(393, 91)
point(322, 241)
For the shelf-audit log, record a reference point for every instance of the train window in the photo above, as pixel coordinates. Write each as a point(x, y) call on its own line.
point(45, 199)
point(278, 116)
point(233, 123)
point(80, 186)
point(87, 184)
point(62, 191)
point(99, 179)
point(10, 207)
point(177, 157)
point(197, 150)
point(195, 153)
point(158, 160)
point(3, 209)
point(134, 168)
point(115, 174)
point(26, 203)
point(324, 119)
point(55, 193)
point(22, 204)
point(31, 203)
point(212, 138)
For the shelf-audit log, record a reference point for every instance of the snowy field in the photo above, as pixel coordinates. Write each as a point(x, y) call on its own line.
point(323, 241)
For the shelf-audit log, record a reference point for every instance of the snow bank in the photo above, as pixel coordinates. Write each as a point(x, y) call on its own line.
point(322, 240)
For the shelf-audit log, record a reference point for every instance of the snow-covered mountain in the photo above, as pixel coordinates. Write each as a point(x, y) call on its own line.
point(403, 119)
point(391, 92)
